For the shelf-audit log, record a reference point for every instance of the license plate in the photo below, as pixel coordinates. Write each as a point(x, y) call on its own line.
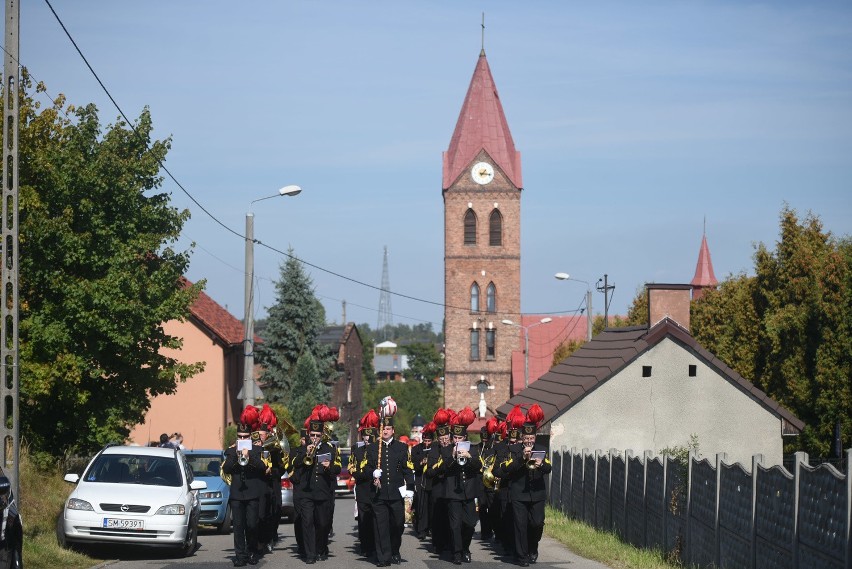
point(117, 523)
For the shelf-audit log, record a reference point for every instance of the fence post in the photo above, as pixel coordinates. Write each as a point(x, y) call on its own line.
point(688, 546)
point(646, 458)
point(612, 453)
point(628, 454)
point(720, 457)
point(571, 503)
point(666, 502)
point(801, 458)
point(583, 457)
point(849, 508)
point(595, 500)
point(562, 486)
point(756, 460)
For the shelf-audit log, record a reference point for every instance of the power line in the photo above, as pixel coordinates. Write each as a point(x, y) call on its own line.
point(214, 218)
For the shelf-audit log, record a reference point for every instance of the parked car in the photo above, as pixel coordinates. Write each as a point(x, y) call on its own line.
point(215, 510)
point(288, 512)
point(134, 495)
point(12, 531)
point(345, 482)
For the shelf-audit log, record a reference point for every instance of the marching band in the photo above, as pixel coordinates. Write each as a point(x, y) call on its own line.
point(450, 484)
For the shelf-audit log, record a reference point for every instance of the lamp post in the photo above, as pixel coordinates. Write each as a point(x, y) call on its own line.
point(589, 316)
point(248, 390)
point(526, 330)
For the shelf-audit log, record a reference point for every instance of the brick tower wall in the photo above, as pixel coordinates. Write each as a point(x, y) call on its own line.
point(483, 264)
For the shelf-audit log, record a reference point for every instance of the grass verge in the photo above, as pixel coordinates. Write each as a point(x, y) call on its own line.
point(43, 496)
point(605, 547)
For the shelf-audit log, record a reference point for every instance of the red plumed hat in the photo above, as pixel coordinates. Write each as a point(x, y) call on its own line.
point(465, 417)
point(504, 429)
point(250, 416)
point(370, 420)
point(452, 415)
point(515, 419)
point(333, 414)
point(429, 428)
point(535, 414)
point(441, 417)
point(315, 412)
point(492, 425)
point(267, 417)
point(325, 414)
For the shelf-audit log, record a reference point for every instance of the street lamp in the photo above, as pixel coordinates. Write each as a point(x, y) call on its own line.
point(589, 316)
point(526, 330)
point(248, 391)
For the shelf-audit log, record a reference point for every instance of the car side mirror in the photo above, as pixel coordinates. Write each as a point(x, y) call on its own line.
point(72, 478)
point(198, 485)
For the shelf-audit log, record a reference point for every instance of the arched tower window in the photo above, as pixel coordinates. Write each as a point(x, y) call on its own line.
point(495, 228)
point(474, 297)
point(470, 228)
point(491, 298)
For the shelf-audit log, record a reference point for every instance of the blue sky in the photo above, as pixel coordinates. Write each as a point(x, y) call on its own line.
point(635, 122)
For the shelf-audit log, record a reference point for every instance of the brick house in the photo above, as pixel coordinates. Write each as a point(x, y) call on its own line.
point(344, 342)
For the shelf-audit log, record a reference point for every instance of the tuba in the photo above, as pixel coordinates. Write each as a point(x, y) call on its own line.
point(488, 479)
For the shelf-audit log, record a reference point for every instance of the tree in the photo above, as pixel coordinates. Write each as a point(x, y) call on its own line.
point(789, 328)
point(98, 276)
point(293, 327)
point(637, 312)
point(308, 389)
point(424, 362)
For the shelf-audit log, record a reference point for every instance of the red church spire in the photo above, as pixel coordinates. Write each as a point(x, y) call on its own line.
point(482, 125)
point(704, 277)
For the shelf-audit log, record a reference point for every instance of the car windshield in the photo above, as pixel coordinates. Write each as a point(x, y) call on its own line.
point(204, 464)
point(134, 469)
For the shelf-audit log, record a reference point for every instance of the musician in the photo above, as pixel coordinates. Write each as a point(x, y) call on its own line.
point(525, 471)
point(298, 491)
point(435, 476)
point(488, 493)
point(317, 469)
point(422, 485)
point(247, 471)
point(273, 458)
point(505, 527)
point(393, 476)
point(461, 465)
point(364, 488)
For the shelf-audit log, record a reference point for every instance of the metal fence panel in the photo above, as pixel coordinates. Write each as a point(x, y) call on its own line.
point(773, 518)
point(577, 486)
point(822, 517)
point(556, 480)
point(603, 520)
point(654, 508)
point(617, 496)
point(636, 502)
point(675, 504)
point(565, 483)
point(702, 514)
point(734, 517)
point(589, 465)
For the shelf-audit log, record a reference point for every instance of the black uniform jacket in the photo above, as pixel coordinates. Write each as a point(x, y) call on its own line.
point(315, 481)
point(247, 482)
point(397, 470)
point(524, 484)
point(501, 453)
point(364, 488)
point(462, 481)
point(435, 471)
point(418, 456)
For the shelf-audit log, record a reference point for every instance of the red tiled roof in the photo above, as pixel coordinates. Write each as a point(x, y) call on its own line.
point(704, 276)
point(544, 339)
point(222, 323)
point(482, 125)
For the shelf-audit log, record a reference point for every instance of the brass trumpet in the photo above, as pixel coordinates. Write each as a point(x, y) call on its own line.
point(326, 436)
point(531, 465)
point(488, 479)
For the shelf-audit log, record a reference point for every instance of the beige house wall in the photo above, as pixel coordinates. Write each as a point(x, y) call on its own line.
point(651, 413)
point(197, 409)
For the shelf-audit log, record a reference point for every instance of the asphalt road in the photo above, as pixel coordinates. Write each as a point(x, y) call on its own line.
point(216, 552)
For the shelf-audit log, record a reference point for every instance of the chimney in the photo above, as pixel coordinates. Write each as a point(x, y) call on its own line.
point(668, 300)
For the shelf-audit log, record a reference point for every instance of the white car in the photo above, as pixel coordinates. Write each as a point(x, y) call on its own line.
point(134, 495)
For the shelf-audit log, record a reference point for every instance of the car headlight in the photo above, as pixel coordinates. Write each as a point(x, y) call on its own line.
point(77, 504)
point(172, 510)
point(208, 495)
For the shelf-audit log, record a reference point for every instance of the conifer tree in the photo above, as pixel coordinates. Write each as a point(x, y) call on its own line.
point(292, 330)
point(308, 390)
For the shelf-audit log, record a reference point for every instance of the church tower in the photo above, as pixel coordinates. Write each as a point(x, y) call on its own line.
point(704, 277)
point(482, 249)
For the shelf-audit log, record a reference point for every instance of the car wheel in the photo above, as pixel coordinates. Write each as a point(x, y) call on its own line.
point(190, 544)
point(60, 530)
point(225, 527)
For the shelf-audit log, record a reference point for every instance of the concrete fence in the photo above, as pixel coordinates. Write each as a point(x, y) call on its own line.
point(712, 514)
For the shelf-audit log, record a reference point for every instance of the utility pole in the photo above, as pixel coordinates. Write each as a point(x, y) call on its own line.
point(9, 386)
point(605, 288)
